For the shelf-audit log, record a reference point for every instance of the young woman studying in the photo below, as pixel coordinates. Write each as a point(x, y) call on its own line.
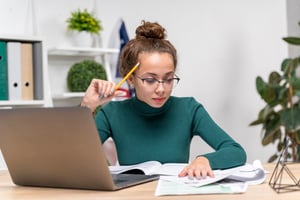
point(154, 125)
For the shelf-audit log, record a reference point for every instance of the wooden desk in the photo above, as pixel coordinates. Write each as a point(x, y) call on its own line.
point(145, 191)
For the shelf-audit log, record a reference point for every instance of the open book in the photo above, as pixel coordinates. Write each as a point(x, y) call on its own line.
point(249, 173)
point(149, 168)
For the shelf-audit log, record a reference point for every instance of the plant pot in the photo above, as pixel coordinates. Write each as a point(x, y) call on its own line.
point(83, 39)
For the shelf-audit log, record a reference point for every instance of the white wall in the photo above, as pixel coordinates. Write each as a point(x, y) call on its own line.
point(222, 47)
point(293, 17)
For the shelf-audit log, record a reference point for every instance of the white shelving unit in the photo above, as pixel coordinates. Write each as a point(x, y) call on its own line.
point(61, 59)
point(46, 101)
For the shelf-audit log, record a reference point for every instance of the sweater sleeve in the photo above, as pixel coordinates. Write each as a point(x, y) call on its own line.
point(228, 153)
point(102, 125)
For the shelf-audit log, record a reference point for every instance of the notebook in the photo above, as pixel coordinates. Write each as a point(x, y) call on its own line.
point(58, 147)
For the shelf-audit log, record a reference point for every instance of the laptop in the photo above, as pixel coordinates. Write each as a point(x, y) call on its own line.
point(58, 147)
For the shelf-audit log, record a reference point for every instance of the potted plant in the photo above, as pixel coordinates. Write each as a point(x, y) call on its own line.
point(84, 24)
point(280, 117)
point(81, 74)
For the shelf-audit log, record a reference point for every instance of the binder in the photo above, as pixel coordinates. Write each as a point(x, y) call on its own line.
point(38, 71)
point(26, 71)
point(14, 70)
point(3, 72)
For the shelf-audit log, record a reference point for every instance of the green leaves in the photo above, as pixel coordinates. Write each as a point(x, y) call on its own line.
point(292, 40)
point(272, 131)
point(280, 117)
point(84, 21)
point(81, 74)
point(266, 91)
point(272, 90)
point(295, 82)
point(290, 119)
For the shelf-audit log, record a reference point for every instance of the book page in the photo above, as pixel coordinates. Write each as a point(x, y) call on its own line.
point(172, 188)
point(252, 174)
point(149, 168)
point(249, 173)
point(219, 175)
point(146, 168)
point(172, 169)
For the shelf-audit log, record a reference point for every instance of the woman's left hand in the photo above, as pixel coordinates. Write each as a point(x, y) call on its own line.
point(199, 168)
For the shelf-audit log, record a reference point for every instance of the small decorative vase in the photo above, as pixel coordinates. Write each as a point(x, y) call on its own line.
point(83, 39)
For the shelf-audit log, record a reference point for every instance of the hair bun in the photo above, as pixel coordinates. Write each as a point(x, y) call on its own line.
point(150, 30)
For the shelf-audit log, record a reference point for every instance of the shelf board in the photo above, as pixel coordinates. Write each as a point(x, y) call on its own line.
point(18, 37)
point(67, 95)
point(74, 51)
point(22, 103)
point(73, 94)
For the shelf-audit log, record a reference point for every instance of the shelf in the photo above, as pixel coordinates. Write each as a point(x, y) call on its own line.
point(69, 53)
point(82, 51)
point(22, 103)
point(24, 38)
point(69, 95)
point(38, 71)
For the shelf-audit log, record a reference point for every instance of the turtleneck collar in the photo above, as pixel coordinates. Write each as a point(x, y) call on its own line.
point(146, 110)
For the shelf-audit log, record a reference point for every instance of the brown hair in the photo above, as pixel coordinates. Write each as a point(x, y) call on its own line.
point(150, 37)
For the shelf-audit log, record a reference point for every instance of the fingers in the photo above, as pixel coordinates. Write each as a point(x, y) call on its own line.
point(100, 92)
point(105, 88)
point(196, 172)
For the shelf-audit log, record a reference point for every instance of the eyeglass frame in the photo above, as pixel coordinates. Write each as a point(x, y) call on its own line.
point(176, 78)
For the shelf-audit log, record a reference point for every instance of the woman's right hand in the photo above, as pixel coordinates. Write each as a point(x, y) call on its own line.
point(98, 93)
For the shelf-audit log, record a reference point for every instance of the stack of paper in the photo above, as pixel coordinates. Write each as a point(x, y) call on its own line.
point(235, 180)
point(172, 188)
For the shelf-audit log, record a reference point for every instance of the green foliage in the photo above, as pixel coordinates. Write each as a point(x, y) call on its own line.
point(81, 74)
point(280, 117)
point(82, 20)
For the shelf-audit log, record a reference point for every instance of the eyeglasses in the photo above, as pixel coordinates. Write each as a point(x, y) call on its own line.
point(153, 82)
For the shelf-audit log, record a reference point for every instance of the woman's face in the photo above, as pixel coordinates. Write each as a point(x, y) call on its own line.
point(153, 79)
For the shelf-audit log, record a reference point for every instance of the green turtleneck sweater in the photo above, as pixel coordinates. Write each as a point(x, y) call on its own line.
point(142, 133)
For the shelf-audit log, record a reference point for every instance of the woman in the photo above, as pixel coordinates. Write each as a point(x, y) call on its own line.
point(154, 125)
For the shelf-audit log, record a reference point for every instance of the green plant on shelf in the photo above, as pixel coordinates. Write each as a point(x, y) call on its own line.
point(81, 74)
point(82, 20)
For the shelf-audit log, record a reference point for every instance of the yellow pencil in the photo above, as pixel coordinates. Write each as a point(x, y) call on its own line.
point(127, 75)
